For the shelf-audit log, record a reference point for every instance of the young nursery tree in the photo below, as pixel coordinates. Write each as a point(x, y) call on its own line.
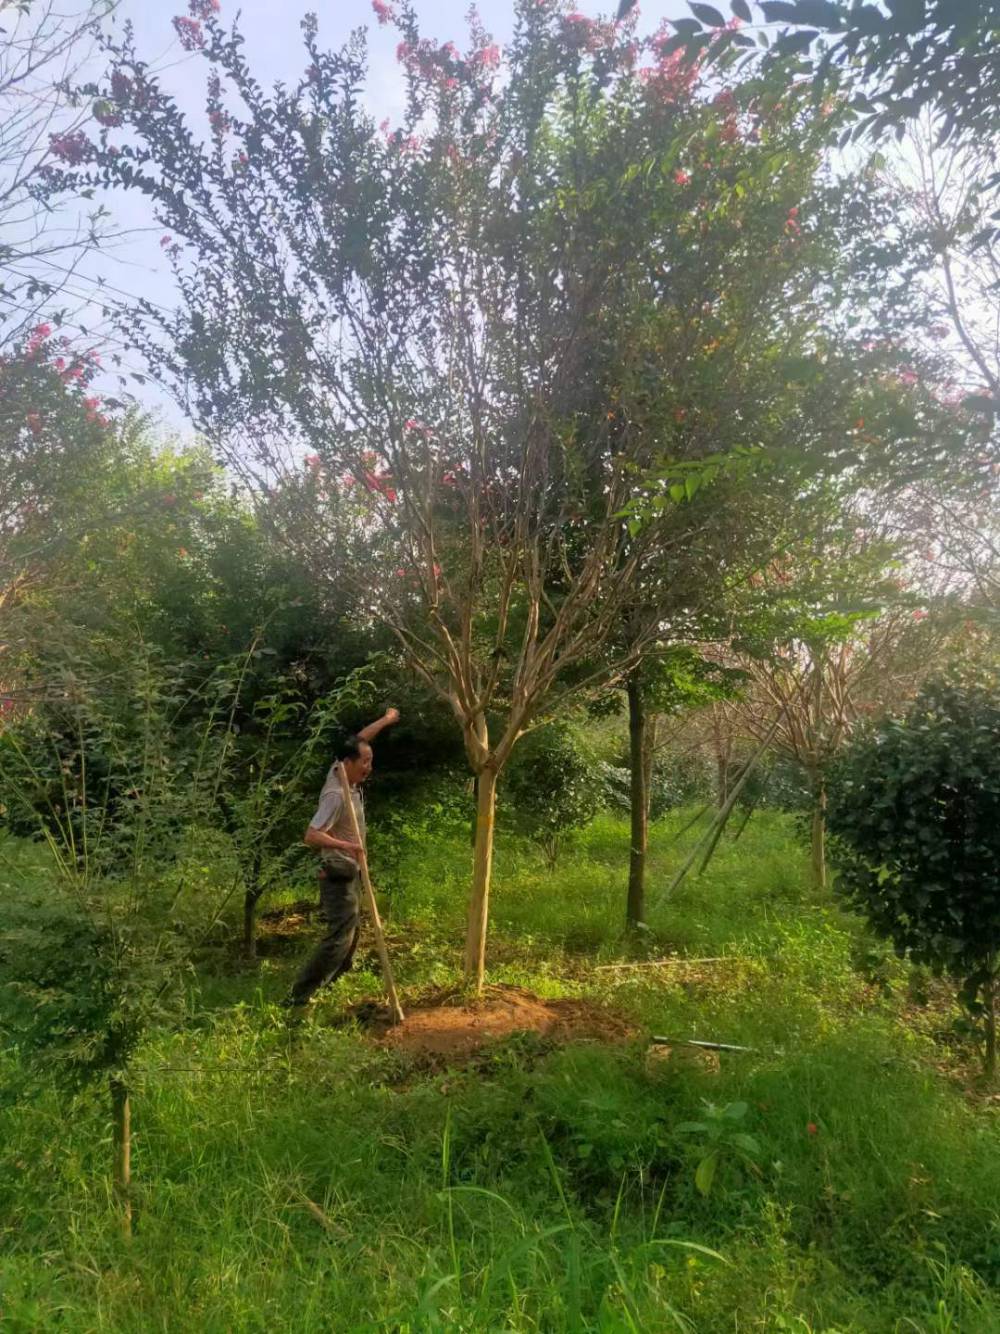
point(833, 640)
point(914, 805)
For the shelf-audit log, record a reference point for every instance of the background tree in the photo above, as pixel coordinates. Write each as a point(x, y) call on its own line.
point(891, 64)
point(42, 49)
point(94, 952)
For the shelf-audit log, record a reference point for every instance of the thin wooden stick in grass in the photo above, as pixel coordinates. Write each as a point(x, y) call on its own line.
point(659, 963)
point(395, 1009)
point(694, 1042)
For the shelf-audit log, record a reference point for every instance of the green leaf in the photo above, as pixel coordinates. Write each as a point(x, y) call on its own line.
point(708, 14)
point(980, 403)
point(705, 1174)
point(782, 12)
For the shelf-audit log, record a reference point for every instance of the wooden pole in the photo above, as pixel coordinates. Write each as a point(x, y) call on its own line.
point(395, 1009)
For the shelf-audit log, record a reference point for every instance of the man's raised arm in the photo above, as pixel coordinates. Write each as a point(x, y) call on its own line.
point(370, 732)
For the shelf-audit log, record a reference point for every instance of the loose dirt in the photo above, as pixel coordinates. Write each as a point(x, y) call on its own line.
point(444, 1024)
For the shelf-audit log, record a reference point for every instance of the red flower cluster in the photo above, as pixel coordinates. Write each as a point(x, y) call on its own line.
point(189, 31)
point(219, 121)
point(383, 12)
point(121, 86)
point(487, 57)
point(203, 9)
point(72, 147)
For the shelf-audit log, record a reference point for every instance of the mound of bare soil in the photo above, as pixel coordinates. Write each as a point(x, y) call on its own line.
point(446, 1024)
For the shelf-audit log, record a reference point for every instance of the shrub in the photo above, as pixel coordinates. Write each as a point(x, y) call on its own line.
point(914, 806)
point(554, 786)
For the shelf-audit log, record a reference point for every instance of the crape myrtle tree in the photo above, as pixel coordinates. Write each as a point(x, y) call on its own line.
point(475, 327)
point(42, 48)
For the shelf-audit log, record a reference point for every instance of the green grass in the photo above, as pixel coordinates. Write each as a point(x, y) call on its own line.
point(307, 1180)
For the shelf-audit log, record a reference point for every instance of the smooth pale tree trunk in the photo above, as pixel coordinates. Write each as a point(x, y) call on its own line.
point(482, 867)
point(121, 1122)
point(639, 802)
point(819, 840)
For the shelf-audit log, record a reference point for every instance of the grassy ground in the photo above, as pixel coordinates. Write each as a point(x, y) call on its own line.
point(308, 1180)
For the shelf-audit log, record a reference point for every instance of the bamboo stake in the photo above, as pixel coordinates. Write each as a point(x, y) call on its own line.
point(395, 1009)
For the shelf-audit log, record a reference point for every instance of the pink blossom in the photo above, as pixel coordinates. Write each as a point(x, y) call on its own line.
point(41, 331)
point(165, 241)
point(190, 33)
point(219, 121)
point(383, 12)
point(203, 9)
point(920, 615)
point(487, 57)
point(403, 52)
point(908, 377)
point(312, 462)
point(682, 177)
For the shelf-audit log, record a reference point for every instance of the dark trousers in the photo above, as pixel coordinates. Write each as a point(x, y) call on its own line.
point(340, 908)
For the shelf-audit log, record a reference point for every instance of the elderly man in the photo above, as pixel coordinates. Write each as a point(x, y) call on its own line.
point(331, 833)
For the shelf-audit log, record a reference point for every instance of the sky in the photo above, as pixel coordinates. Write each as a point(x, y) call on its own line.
point(274, 50)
